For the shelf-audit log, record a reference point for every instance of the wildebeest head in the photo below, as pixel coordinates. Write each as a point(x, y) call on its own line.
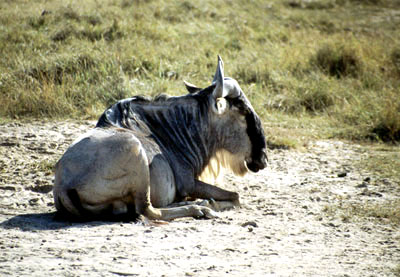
point(237, 127)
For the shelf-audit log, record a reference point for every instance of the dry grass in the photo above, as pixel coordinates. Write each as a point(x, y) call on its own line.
point(382, 160)
point(336, 61)
point(387, 212)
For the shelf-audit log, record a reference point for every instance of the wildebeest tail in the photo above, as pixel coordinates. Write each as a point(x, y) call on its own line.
point(68, 204)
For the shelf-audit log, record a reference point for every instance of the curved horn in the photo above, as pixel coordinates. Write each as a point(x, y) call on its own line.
point(231, 88)
point(220, 69)
point(219, 80)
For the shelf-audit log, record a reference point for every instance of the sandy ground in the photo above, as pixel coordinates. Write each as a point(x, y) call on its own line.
point(282, 229)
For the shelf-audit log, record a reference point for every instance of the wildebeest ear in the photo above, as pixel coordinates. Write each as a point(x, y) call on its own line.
point(218, 80)
point(191, 88)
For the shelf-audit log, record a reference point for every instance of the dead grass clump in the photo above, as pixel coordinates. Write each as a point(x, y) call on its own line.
point(55, 71)
point(70, 13)
point(63, 34)
point(363, 2)
point(252, 75)
point(372, 116)
point(311, 5)
point(89, 32)
point(395, 59)
point(384, 212)
point(108, 34)
point(338, 60)
point(387, 123)
point(37, 22)
point(311, 93)
point(316, 100)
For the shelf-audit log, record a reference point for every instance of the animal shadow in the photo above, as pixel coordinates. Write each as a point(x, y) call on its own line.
point(55, 221)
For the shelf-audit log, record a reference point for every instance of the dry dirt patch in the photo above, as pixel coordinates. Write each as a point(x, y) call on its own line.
point(294, 220)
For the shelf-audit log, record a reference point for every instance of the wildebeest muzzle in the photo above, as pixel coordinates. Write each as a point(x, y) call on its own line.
point(259, 162)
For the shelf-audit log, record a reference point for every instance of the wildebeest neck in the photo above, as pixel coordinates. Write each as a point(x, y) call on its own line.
point(179, 125)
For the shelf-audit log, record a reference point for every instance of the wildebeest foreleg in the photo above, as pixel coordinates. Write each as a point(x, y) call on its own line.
point(223, 197)
point(211, 203)
point(177, 212)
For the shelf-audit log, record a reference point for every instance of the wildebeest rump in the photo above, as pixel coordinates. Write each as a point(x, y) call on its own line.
point(151, 153)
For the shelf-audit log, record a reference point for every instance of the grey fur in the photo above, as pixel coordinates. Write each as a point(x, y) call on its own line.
point(152, 153)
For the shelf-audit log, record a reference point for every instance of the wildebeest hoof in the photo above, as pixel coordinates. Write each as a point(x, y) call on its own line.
point(211, 203)
point(236, 203)
point(209, 213)
point(220, 206)
point(203, 212)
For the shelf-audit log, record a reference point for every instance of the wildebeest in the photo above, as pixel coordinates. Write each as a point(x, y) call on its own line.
point(145, 155)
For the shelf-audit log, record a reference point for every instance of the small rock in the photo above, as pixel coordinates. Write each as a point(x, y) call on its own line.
point(367, 192)
point(9, 143)
point(367, 179)
point(250, 223)
point(33, 201)
point(8, 188)
point(342, 174)
point(41, 188)
point(362, 185)
point(330, 224)
point(30, 135)
point(377, 194)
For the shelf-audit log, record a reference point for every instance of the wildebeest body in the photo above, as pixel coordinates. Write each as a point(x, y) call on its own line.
point(146, 153)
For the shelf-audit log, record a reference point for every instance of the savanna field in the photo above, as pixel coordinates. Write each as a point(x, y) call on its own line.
point(315, 71)
point(312, 69)
point(333, 64)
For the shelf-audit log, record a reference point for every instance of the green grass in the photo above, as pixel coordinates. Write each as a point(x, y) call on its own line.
point(386, 212)
point(329, 65)
point(383, 161)
point(382, 212)
point(396, 270)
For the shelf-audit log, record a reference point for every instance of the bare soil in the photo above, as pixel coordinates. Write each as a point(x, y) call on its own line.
point(290, 222)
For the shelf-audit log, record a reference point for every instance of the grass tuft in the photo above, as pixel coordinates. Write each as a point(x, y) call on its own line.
point(395, 59)
point(338, 60)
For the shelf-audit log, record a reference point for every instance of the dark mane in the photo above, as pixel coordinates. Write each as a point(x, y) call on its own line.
point(116, 113)
point(178, 124)
point(160, 98)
